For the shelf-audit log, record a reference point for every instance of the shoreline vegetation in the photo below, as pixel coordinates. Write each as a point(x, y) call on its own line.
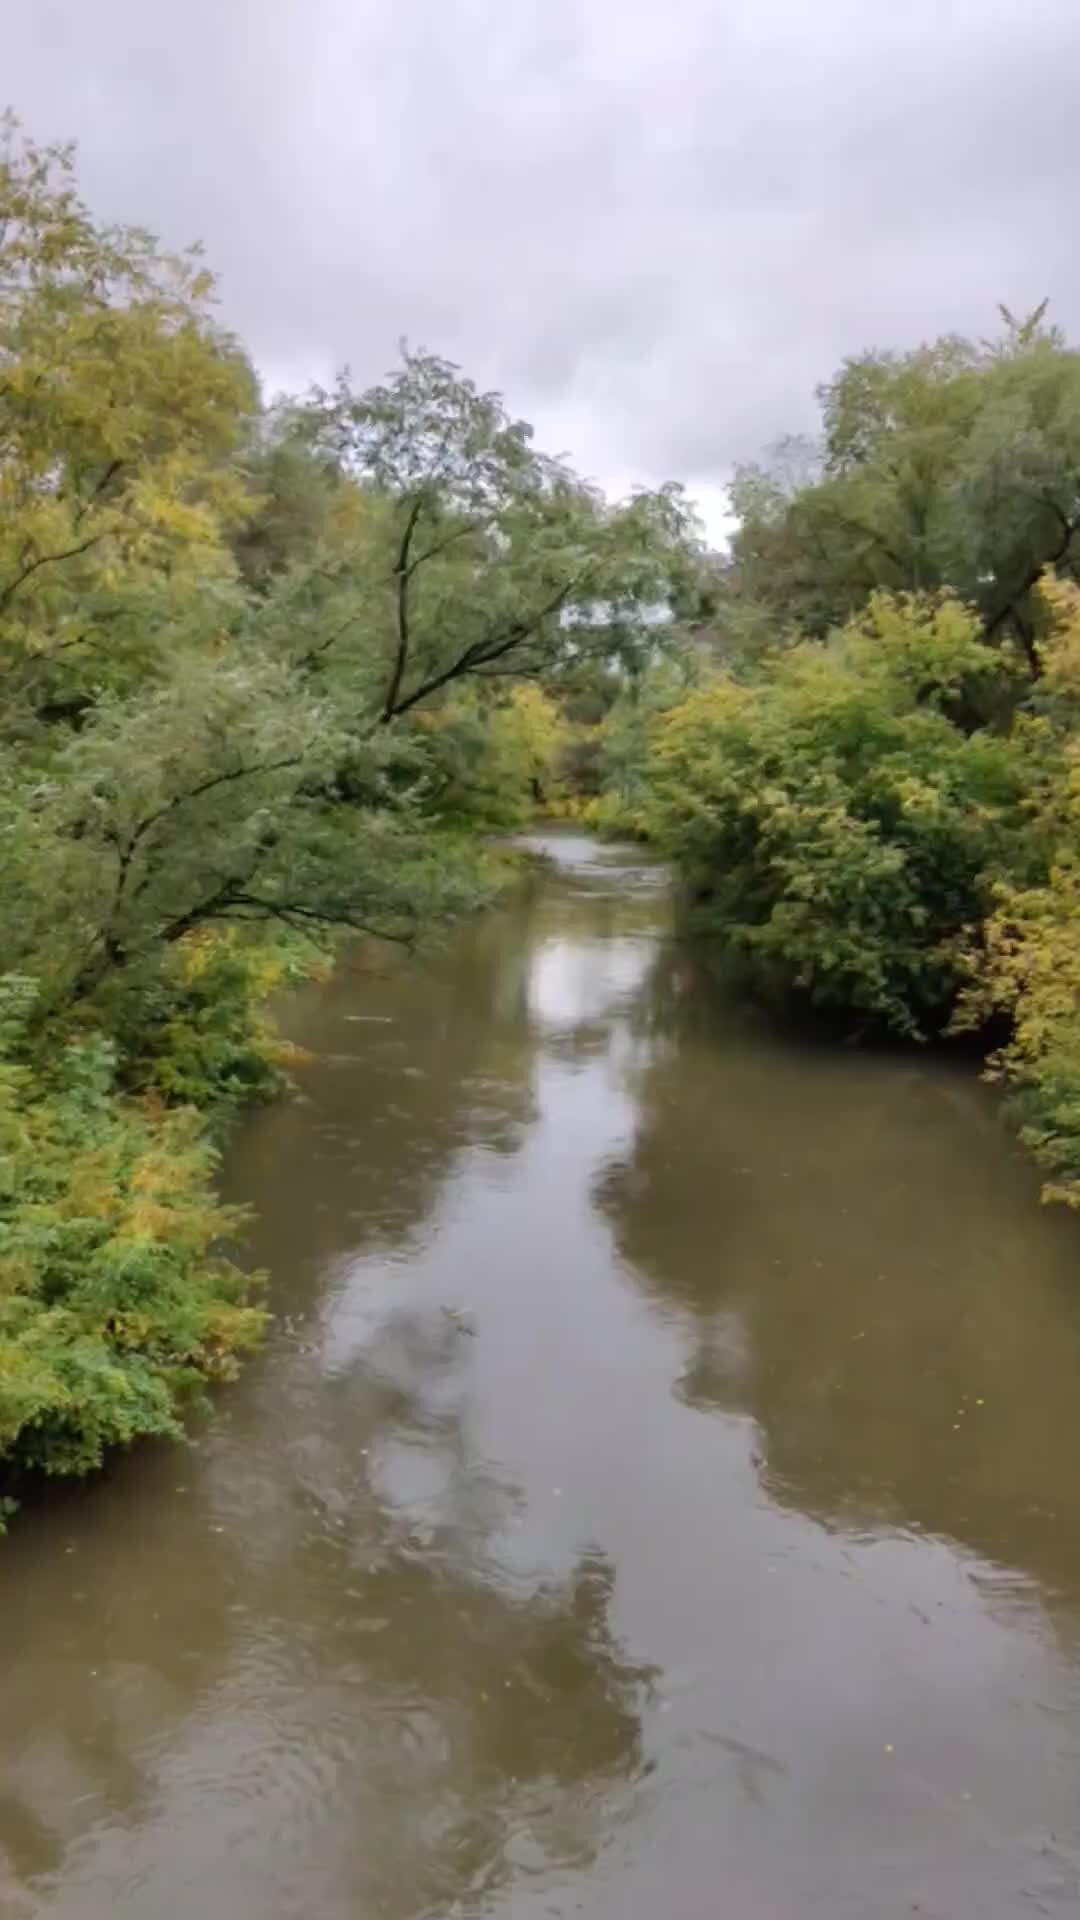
point(278, 673)
point(275, 671)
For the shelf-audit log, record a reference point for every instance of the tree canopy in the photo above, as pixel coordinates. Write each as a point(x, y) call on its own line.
point(956, 465)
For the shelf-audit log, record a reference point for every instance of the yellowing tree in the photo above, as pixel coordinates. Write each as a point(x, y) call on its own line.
point(1027, 963)
point(532, 734)
point(121, 405)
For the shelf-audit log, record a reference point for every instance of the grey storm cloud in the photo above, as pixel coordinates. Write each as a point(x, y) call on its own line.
point(656, 224)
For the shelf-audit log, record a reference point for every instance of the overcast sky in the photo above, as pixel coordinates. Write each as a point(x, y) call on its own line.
point(654, 223)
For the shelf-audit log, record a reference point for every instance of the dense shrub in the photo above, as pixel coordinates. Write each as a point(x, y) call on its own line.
point(1025, 963)
point(116, 1301)
point(838, 823)
point(193, 1026)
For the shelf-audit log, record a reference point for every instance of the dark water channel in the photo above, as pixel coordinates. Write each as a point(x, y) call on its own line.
point(660, 1498)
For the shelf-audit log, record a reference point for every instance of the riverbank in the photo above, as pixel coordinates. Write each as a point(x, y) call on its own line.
point(119, 1305)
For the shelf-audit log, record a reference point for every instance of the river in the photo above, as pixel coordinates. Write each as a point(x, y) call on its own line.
point(658, 1496)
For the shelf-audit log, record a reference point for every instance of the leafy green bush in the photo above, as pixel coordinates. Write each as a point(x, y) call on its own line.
point(116, 1303)
point(1025, 963)
point(485, 761)
point(837, 824)
point(192, 1025)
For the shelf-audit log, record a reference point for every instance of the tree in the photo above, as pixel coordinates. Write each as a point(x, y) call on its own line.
point(957, 465)
point(484, 558)
point(302, 504)
point(204, 803)
point(835, 826)
point(121, 407)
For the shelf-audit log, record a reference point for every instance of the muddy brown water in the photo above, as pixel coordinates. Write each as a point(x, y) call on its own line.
point(659, 1499)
